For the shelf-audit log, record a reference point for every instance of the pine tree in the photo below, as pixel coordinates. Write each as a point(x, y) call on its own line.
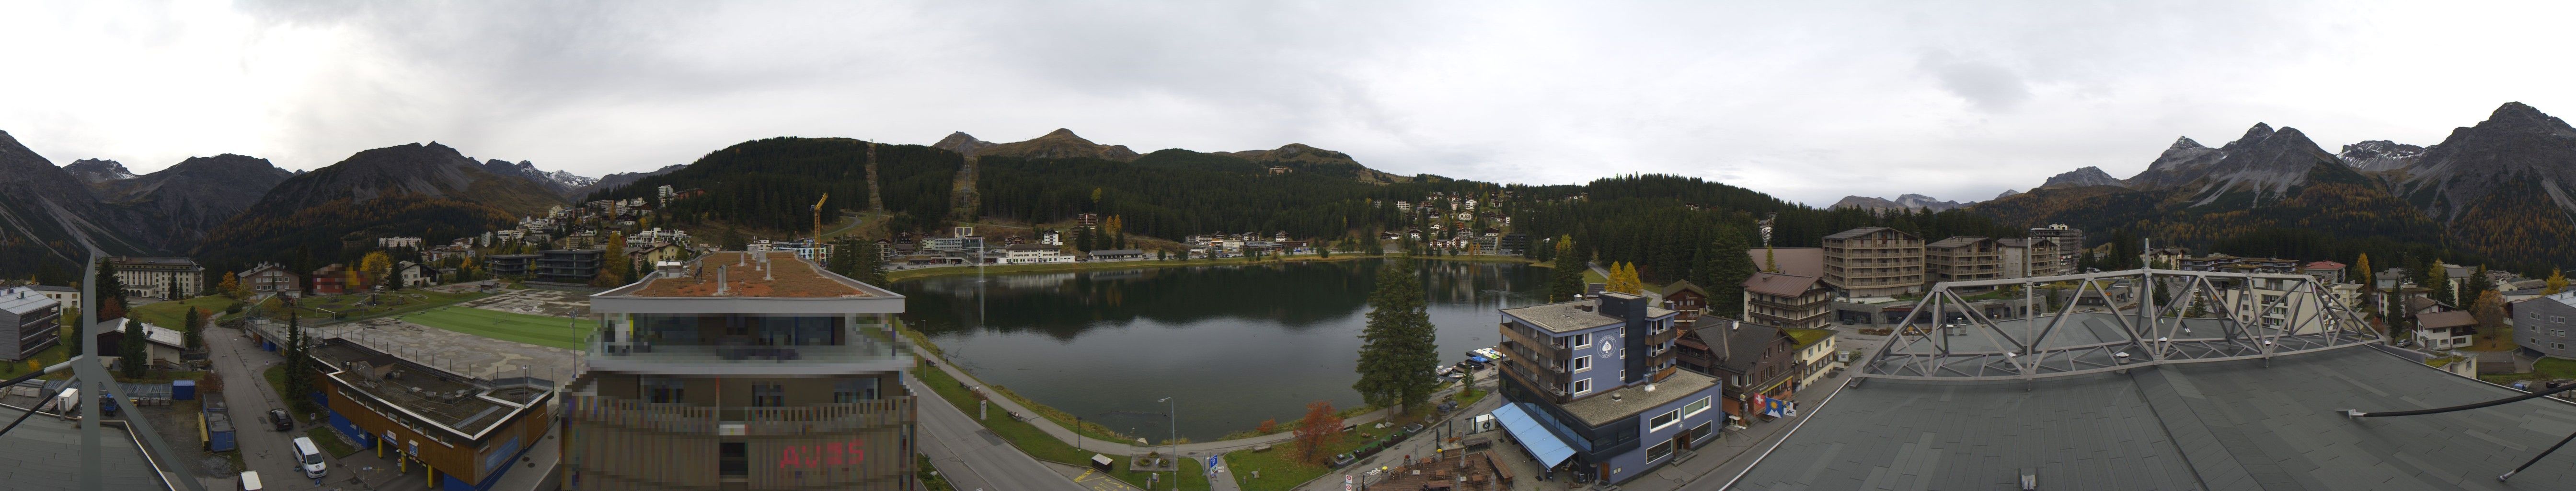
point(1729, 265)
point(110, 291)
point(135, 358)
point(298, 383)
point(1566, 282)
point(195, 324)
point(1399, 350)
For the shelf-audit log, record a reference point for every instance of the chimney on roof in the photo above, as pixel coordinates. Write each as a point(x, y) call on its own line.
point(720, 279)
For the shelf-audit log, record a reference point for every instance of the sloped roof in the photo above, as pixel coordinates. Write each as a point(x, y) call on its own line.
point(2214, 426)
point(1801, 261)
point(2446, 320)
point(1777, 284)
point(2325, 265)
point(1846, 234)
point(1955, 242)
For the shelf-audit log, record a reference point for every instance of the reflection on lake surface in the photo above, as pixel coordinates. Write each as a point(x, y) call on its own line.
point(1236, 344)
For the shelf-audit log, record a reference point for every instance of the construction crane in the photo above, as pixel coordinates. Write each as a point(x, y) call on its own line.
point(818, 217)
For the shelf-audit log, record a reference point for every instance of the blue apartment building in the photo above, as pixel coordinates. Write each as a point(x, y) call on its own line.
point(1591, 389)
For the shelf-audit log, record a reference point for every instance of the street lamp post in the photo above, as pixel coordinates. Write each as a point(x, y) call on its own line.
point(1175, 412)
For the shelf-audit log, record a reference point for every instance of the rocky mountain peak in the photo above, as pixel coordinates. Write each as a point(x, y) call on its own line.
point(1904, 202)
point(94, 171)
point(2257, 133)
point(2379, 155)
point(1061, 143)
point(2516, 116)
point(963, 143)
point(2183, 143)
point(2087, 176)
point(2007, 194)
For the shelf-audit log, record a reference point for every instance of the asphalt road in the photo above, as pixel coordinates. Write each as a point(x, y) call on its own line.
point(248, 397)
point(976, 460)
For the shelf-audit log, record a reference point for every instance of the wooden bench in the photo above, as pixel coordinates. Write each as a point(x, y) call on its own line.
point(1500, 472)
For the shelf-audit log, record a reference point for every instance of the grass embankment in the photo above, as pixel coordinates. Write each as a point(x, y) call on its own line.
point(329, 440)
point(320, 309)
point(173, 314)
point(1037, 443)
point(916, 273)
point(538, 330)
point(1282, 468)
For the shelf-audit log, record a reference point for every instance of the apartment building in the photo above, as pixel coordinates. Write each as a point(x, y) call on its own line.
point(2028, 257)
point(2069, 240)
point(1592, 389)
point(1874, 262)
point(574, 266)
point(1963, 259)
point(160, 277)
point(1787, 301)
point(742, 370)
point(271, 278)
point(29, 322)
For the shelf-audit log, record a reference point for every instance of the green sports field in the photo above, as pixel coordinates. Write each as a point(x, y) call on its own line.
point(532, 329)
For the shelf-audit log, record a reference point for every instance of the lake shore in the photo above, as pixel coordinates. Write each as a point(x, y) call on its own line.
point(940, 271)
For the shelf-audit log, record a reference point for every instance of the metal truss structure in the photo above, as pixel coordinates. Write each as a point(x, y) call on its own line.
point(2112, 322)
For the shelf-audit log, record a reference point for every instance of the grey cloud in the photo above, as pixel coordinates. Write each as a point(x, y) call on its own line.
point(1985, 84)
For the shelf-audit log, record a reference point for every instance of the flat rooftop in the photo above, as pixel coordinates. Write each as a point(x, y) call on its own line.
point(2233, 425)
point(1574, 316)
point(1600, 409)
point(468, 405)
point(44, 455)
point(743, 276)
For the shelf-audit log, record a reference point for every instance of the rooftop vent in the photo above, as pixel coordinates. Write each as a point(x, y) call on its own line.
point(2029, 479)
point(720, 279)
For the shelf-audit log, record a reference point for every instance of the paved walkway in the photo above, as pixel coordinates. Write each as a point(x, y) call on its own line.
point(1128, 448)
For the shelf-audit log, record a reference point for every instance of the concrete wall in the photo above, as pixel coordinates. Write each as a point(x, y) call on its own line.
point(2546, 326)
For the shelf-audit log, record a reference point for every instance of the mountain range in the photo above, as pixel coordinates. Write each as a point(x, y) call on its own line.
point(2497, 190)
point(1905, 202)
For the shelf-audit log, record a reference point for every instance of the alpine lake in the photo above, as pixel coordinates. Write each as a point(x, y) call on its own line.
point(1234, 345)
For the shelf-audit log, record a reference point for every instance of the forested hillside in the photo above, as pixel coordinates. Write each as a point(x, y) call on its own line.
point(772, 183)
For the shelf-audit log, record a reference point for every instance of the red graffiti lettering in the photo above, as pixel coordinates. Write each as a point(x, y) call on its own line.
point(832, 453)
point(787, 458)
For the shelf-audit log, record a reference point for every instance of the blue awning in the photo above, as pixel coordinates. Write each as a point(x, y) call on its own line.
point(1477, 358)
point(1541, 443)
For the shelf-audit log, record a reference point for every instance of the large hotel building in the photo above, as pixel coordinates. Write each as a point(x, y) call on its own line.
point(742, 370)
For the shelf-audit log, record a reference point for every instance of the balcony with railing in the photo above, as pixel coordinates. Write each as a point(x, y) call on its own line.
point(685, 419)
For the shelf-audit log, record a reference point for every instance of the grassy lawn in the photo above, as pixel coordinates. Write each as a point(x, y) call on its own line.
point(319, 309)
point(330, 443)
point(1037, 443)
point(2499, 341)
point(532, 329)
point(1282, 469)
point(46, 358)
point(171, 314)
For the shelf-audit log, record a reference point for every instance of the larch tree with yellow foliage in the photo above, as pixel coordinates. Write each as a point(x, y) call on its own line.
point(375, 264)
point(2557, 283)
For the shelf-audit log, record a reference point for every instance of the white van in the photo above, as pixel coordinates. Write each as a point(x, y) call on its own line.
point(309, 456)
point(250, 481)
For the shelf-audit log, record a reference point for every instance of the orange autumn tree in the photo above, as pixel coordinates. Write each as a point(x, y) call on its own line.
point(1318, 431)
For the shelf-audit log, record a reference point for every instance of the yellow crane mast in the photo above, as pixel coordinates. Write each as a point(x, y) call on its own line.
point(818, 217)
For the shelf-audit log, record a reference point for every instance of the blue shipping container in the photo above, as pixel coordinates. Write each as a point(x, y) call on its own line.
point(181, 390)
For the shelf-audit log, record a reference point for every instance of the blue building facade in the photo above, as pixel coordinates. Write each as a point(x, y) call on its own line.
point(1592, 389)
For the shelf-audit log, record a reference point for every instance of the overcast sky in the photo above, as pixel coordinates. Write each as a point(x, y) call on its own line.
point(1809, 101)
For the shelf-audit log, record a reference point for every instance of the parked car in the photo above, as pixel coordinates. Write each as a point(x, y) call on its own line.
point(278, 418)
point(1413, 428)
